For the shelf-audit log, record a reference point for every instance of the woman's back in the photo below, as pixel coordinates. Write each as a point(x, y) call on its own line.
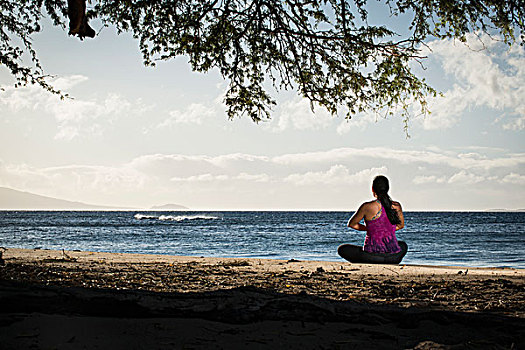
point(380, 234)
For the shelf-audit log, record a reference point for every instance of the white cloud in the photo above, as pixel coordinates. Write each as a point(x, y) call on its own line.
point(67, 132)
point(359, 121)
point(446, 110)
point(462, 177)
point(67, 82)
point(418, 180)
point(514, 178)
point(492, 78)
point(254, 177)
point(201, 178)
point(237, 159)
point(516, 124)
point(434, 157)
point(74, 116)
point(483, 148)
point(296, 113)
point(223, 178)
point(471, 155)
point(195, 113)
point(337, 174)
point(182, 166)
point(167, 166)
point(465, 178)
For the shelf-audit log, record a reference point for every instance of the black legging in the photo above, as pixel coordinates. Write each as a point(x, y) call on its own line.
point(356, 254)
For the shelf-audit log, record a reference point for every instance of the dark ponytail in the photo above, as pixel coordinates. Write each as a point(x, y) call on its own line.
point(380, 186)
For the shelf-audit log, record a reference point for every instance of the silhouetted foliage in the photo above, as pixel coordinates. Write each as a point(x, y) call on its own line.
point(325, 49)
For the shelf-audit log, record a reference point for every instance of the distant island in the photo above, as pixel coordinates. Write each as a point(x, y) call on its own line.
point(11, 199)
point(19, 200)
point(169, 207)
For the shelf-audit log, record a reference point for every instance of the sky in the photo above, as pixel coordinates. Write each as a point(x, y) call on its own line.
point(136, 136)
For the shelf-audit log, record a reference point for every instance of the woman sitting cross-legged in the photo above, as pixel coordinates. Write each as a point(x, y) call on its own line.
point(382, 217)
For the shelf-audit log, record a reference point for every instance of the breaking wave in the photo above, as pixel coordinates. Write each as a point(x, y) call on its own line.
point(145, 217)
point(187, 217)
point(175, 217)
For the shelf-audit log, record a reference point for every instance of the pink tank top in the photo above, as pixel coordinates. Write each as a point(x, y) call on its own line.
point(381, 235)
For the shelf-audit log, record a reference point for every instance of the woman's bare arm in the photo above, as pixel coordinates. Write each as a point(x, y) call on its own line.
point(399, 210)
point(354, 221)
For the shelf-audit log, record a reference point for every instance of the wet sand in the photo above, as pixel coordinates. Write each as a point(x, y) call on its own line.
point(70, 300)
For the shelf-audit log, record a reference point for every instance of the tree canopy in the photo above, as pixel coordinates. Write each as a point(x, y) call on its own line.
point(324, 49)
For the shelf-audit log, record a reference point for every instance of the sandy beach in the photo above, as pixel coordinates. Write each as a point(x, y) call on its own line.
point(73, 299)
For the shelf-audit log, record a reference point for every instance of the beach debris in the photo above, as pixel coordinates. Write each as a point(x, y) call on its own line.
point(67, 257)
point(292, 260)
point(2, 261)
point(231, 331)
point(430, 345)
point(320, 269)
point(233, 263)
point(386, 268)
point(28, 335)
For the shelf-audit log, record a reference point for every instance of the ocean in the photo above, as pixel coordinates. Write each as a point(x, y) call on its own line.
point(472, 239)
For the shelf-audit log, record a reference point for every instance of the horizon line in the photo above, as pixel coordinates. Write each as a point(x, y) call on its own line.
point(492, 210)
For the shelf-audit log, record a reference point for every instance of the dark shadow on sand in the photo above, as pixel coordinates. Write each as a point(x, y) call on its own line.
point(333, 324)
